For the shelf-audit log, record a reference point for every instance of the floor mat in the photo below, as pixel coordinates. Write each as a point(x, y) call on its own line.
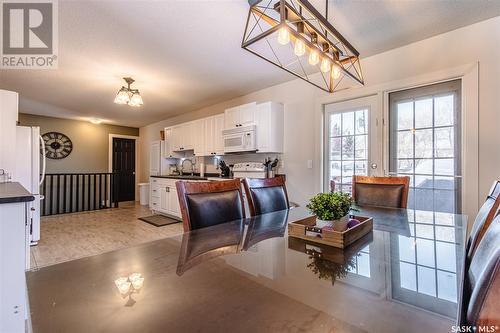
point(159, 220)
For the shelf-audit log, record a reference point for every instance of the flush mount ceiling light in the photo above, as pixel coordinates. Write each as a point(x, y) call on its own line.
point(129, 96)
point(294, 36)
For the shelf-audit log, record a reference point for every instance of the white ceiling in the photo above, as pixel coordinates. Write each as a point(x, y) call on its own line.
point(186, 54)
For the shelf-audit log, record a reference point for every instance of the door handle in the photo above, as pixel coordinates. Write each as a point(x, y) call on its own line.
point(374, 166)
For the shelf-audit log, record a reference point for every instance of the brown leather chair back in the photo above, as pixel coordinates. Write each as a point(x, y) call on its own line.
point(266, 195)
point(381, 191)
point(204, 204)
point(483, 220)
point(481, 292)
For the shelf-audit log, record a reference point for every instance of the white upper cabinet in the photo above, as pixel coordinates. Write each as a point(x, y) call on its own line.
point(241, 115)
point(214, 143)
point(269, 120)
point(198, 136)
point(176, 137)
point(218, 139)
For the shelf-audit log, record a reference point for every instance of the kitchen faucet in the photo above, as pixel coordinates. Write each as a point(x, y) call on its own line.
point(192, 166)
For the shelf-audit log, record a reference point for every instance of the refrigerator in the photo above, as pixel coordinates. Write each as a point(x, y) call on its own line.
point(30, 172)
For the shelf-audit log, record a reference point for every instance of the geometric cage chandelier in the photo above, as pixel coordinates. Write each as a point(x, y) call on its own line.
point(294, 36)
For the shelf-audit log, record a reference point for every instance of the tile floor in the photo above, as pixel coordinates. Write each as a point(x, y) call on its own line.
point(72, 236)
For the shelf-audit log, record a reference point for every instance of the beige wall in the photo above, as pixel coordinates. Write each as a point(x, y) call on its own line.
point(90, 142)
point(477, 43)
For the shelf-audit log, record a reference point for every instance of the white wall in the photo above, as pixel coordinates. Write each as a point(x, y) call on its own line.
point(475, 43)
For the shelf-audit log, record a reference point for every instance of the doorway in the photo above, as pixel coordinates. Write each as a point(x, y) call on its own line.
point(123, 165)
point(352, 141)
point(425, 144)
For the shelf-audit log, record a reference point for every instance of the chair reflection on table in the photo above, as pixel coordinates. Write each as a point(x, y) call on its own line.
point(330, 263)
point(207, 243)
point(262, 227)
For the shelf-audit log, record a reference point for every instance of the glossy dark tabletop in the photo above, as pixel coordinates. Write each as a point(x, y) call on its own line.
point(249, 276)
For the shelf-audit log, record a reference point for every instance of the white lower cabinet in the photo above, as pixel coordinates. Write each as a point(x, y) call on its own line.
point(163, 196)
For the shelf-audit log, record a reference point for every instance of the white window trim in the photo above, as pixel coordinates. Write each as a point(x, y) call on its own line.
point(469, 74)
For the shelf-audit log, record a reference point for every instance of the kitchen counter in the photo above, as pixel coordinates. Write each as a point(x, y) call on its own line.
point(190, 177)
point(14, 192)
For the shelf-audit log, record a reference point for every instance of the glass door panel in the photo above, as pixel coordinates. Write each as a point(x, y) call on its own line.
point(425, 136)
point(351, 141)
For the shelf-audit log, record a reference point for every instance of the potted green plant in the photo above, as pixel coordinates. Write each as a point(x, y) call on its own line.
point(331, 209)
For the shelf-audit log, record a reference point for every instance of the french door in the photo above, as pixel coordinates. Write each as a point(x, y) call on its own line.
point(353, 132)
point(425, 144)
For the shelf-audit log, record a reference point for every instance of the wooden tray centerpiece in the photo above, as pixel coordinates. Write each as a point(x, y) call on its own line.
point(331, 225)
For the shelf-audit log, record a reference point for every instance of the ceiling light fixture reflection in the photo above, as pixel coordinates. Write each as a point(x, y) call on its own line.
point(127, 95)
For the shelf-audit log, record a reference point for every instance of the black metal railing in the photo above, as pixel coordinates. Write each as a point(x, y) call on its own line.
point(78, 192)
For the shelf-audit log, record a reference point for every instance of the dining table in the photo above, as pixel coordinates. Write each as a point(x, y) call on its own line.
point(249, 275)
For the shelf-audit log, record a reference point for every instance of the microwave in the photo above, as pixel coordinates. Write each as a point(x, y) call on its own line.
point(240, 139)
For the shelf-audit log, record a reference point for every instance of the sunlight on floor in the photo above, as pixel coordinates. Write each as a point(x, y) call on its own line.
point(72, 236)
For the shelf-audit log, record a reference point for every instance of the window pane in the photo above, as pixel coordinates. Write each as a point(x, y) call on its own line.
point(348, 123)
point(446, 257)
point(445, 167)
point(406, 249)
point(362, 122)
point(425, 252)
point(335, 169)
point(361, 147)
point(335, 149)
point(426, 281)
point(423, 143)
point(424, 231)
point(405, 115)
point(423, 113)
point(347, 168)
point(423, 182)
point(348, 147)
point(447, 286)
point(405, 166)
point(423, 166)
point(424, 199)
point(361, 168)
point(335, 124)
point(443, 138)
point(443, 111)
point(405, 144)
point(408, 276)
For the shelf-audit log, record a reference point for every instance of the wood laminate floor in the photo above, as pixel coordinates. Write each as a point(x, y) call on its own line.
point(72, 236)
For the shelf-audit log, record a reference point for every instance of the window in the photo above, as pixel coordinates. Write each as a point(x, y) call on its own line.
point(347, 141)
point(425, 141)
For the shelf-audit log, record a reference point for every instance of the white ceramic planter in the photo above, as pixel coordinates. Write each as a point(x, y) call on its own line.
point(338, 225)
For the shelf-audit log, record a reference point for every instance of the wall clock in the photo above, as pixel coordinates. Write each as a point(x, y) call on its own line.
point(57, 145)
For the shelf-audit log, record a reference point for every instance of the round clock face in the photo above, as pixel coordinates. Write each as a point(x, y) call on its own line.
point(57, 145)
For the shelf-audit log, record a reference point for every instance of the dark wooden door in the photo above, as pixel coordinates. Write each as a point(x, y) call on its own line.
point(124, 168)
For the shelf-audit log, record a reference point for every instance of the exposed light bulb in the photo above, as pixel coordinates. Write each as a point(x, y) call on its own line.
point(313, 57)
point(283, 36)
point(299, 48)
point(122, 97)
point(335, 71)
point(325, 65)
point(136, 100)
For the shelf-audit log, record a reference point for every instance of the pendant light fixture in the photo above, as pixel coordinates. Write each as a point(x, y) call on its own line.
point(294, 36)
point(127, 95)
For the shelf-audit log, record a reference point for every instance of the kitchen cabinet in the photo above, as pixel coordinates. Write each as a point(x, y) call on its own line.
point(214, 143)
point(176, 137)
point(197, 134)
point(168, 147)
point(269, 121)
point(163, 197)
point(238, 116)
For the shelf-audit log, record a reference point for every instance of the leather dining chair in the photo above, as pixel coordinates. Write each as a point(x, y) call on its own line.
point(205, 204)
point(266, 195)
point(481, 289)
point(484, 217)
point(381, 191)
